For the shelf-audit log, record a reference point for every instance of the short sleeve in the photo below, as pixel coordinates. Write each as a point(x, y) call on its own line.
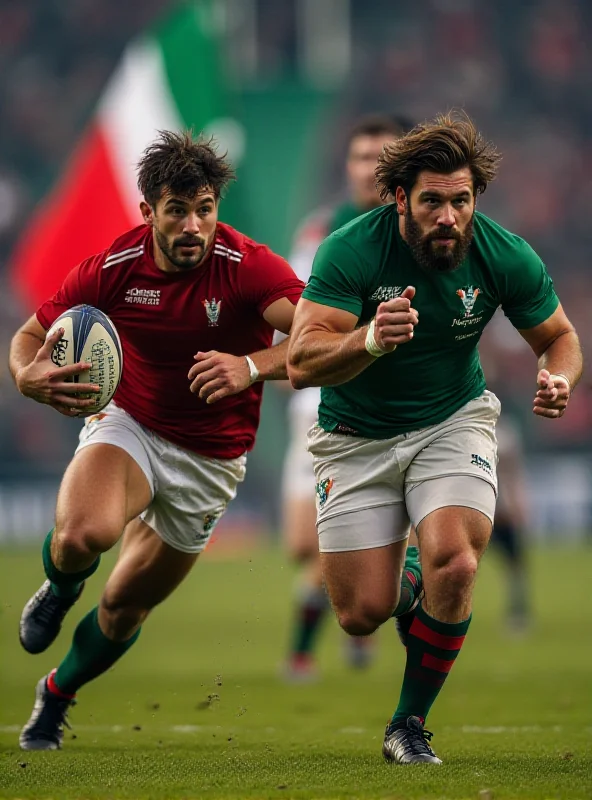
point(337, 277)
point(81, 285)
point(266, 277)
point(528, 298)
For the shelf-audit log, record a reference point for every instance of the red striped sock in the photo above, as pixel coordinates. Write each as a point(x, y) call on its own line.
point(432, 648)
point(55, 689)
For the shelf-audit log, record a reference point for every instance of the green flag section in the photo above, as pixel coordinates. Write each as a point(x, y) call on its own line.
point(172, 78)
point(280, 172)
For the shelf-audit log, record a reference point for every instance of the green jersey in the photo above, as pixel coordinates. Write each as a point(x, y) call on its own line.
point(342, 215)
point(314, 230)
point(425, 380)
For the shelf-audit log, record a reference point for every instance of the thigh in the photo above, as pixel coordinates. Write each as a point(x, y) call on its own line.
point(147, 571)
point(462, 491)
point(463, 445)
point(103, 489)
point(193, 492)
point(357, 576)
point(451, 531)
point(353, 475)
point(366, 529)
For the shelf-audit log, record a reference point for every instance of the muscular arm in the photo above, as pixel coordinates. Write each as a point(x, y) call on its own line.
point(557, 347)
point(271, 363)
point(326, 348)
point(25, 345)
point(218, 375)
point(37, 377)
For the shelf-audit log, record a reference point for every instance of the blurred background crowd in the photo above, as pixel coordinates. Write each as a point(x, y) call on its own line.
point(522, 70)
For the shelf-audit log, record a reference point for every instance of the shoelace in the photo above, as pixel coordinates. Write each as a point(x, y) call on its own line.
point(46, 714)
point(46, 604)
point(417, 741)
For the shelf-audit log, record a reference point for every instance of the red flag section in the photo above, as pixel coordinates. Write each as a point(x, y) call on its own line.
point(80, 216)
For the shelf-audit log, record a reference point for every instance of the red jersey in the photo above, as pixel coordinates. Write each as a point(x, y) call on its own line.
point(165, 318)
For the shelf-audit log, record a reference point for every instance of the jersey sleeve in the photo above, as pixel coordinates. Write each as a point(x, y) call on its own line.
point(337, 277)
point(81, 285)
point(266, 277)
point(528, 296)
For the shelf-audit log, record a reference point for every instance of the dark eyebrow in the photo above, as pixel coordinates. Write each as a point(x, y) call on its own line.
point(426, 193)
point(183, 201)
point(176, 201)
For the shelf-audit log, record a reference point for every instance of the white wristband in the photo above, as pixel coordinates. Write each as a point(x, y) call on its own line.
point(561, 375)
point(253, 371)
point(371, 345)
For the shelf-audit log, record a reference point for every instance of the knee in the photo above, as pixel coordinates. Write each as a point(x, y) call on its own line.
point(85, 537)
point(364, 618)
point(456, 571)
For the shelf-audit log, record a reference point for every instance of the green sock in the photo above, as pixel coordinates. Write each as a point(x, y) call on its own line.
point(64, 584)
point(91, 654)
point(431, 651)
point(411, 584)
point(311, 608)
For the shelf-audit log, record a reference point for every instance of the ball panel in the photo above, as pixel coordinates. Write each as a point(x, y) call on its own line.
point(62, 352)
point(100, 348)
point(89, 335)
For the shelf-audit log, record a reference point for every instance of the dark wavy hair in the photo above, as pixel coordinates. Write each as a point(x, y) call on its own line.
point(183, 165)
point(445, 144)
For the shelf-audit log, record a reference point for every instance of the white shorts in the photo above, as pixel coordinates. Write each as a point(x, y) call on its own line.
point(190, 492)
point(449, 464)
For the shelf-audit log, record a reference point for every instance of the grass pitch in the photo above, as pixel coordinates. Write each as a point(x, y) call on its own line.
point(196, 709)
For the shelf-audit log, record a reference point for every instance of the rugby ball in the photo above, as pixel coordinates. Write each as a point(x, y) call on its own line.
point(89, 335)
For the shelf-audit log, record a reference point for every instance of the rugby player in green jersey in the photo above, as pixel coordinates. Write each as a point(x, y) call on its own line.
point(364, 145)
point(389, 325)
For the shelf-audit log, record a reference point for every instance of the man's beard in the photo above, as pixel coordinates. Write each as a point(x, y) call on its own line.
point(437, 258)
point(182, 262)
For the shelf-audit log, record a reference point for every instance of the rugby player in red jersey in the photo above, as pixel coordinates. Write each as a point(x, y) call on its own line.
point(195, 304)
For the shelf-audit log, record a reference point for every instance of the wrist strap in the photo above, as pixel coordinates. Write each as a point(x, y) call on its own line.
point(371, 345)
point(253, 371)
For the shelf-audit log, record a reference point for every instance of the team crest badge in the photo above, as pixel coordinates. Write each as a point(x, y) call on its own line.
point(322, 490)
point(96, 418)
point(468, 295)
point(90, 423)
point(212, 310)
point(210, 520)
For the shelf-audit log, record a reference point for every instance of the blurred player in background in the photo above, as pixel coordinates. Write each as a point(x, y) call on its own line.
point(406, 429)
point(509, 535)
point(364, 146)
point(511, 520)
point(165, 458)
